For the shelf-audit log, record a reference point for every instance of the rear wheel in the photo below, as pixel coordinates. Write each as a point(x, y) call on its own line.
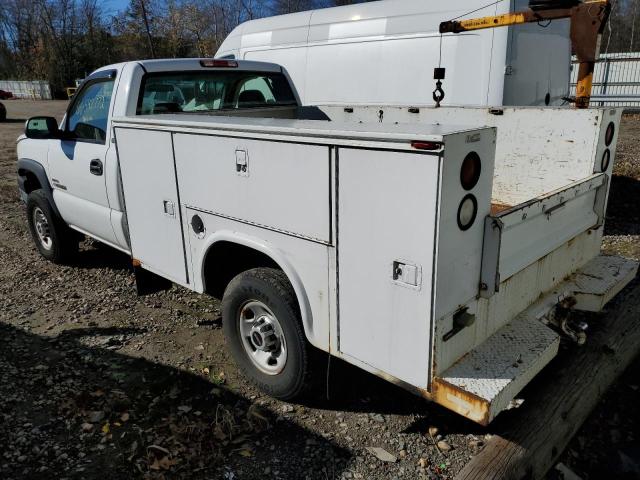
point(54, 240)
point(261, 322)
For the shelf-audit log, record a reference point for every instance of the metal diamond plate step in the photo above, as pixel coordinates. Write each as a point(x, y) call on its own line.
point(483, 382)
point(602, 279)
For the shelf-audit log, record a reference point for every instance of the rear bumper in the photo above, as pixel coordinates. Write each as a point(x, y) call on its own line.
point(486, 380)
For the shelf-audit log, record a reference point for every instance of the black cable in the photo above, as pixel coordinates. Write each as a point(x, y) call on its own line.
point(477, 9)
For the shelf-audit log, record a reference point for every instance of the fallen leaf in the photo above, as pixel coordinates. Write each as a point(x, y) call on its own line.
point(245, 452)
point(105, 428)
point(159, 448)
point(443, 446)
point(124, 417)
point(381, 454)
point(433, 431)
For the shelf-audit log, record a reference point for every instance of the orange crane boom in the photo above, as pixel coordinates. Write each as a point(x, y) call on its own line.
point(587, 19)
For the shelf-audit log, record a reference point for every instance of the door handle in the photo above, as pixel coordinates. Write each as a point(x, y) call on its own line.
point(95, 167)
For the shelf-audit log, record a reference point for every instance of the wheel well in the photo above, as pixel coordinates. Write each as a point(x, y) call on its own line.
point(31, 182)
point(225, 260)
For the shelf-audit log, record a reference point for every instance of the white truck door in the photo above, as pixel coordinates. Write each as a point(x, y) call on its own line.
point(76, 163)
point(387, 206)
point(152, 202)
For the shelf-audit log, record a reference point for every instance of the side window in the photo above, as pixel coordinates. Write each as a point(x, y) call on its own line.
point(255, 91)
point(88, 117)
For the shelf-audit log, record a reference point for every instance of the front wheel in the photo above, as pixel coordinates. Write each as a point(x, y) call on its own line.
point(54, 240)
point(261, 322)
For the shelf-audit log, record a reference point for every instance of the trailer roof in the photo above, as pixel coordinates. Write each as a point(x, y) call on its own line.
point(310, 129)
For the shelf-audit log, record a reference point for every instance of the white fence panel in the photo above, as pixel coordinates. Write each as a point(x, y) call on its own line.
point(36, 89)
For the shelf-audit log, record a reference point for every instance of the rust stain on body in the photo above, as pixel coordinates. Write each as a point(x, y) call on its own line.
point(497, 207)
point(460, 401)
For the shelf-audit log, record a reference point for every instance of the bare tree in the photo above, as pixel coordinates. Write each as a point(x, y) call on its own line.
point(145, 18)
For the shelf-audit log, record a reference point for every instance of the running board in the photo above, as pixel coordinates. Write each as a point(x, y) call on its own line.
point(485, 381)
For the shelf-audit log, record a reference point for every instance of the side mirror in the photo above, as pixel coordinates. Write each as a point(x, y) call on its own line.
point(42, 128)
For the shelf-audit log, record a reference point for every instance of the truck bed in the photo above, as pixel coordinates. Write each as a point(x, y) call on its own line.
point(540, 202)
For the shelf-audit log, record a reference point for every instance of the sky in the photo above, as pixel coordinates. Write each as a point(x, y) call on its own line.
point(112, 7)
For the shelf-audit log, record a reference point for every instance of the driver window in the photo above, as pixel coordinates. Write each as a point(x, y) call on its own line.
point(89, 113)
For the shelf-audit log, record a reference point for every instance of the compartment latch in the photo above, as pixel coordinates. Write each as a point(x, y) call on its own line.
point(406, 273)
point(242, 163)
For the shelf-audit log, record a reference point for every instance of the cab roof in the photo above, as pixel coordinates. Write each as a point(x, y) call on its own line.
point(191, 64)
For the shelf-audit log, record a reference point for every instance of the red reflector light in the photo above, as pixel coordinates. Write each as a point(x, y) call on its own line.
point(470, 170)
point(426, 145)
point(212, 62)
point(608, 135)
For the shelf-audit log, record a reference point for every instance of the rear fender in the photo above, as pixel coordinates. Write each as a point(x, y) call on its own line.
point(273, 253)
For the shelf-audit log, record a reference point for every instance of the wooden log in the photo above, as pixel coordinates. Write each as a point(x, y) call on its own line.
point(529, 440)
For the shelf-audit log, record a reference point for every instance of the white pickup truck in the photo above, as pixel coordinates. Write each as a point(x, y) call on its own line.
point(442, 258)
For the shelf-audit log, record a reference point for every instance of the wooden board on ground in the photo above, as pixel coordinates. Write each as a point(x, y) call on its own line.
point(529, 440)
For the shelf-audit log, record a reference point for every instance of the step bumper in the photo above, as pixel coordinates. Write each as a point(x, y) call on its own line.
point(485, 381)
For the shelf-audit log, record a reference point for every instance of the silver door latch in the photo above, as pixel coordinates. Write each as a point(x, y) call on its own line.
point(242, 163)
point(406, 273)
point(169, 208)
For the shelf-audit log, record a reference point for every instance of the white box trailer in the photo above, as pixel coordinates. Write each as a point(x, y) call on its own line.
point(433, 256)
point(384, 52)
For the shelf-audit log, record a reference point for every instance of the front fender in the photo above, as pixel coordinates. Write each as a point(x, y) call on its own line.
point(272, 252)
point(27, 165)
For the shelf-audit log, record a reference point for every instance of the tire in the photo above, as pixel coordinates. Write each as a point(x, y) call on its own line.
point(259, 296)
point(53, 238)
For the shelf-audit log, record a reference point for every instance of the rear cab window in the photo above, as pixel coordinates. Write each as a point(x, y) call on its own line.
point(207, 91)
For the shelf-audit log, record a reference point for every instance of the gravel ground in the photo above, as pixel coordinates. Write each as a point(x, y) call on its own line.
point(96, 382)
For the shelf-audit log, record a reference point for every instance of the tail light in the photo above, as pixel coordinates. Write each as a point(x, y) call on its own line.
point(608, 135)
point(470, 170)
point(604, 161)
point(467, 212)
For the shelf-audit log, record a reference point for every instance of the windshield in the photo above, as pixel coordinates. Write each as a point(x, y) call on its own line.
point(205, 91)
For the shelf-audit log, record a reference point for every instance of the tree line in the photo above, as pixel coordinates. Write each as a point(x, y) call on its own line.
point(62, 40)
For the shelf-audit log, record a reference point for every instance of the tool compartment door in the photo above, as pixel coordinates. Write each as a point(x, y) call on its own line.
point(387, 213)
point(152, 202)
point(277, 185)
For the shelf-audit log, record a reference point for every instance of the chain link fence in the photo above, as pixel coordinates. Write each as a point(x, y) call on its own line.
point(616, 80)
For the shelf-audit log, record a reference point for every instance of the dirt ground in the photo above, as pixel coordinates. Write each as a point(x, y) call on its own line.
point(96, 382)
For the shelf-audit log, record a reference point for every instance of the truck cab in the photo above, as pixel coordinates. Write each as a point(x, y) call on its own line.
point(75, 163)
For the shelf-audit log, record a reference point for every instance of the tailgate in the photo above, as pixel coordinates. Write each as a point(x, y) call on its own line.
point(521, 235)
